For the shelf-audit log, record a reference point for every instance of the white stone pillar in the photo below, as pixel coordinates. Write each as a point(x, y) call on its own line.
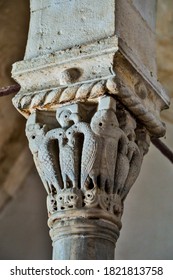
point(89, 90)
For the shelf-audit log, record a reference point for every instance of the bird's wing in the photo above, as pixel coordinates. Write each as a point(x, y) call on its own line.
point(51, 158)
point(111, 151)
point(89, 157)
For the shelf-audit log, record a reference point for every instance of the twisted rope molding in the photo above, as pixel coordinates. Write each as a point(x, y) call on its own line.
point(134, 105)
point(49, 99)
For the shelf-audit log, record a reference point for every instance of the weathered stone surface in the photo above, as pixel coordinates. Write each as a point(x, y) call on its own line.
point(77, 23)
point(90, 62)
point(148, 10)
point(63, 76)
point(131, 27)
point(73, 147)
point(94, 237)
point(88, 160)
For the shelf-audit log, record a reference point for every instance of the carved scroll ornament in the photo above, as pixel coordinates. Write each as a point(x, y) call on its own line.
point(88, 160)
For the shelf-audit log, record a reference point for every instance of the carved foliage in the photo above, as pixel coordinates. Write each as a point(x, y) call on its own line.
point(91, 158)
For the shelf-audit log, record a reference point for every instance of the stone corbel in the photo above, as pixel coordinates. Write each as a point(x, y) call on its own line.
point(90, 116)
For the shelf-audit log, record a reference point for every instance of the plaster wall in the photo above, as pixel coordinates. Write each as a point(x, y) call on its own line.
point(146, 8)
point(134, 20)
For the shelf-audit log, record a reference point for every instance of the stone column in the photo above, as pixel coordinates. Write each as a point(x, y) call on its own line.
point(90, 94)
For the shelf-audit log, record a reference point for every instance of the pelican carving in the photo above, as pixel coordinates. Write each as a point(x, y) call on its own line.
point(44, 158)
point(105, 125)
point(89, 162)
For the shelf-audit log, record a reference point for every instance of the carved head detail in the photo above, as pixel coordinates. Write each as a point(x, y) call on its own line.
point(104, 122)
point(57, 133)
point(66, 118)
point(35, 133)
point(69, 199)
point(71, 132)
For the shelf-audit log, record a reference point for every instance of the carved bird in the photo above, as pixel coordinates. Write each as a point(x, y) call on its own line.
point(134, 158)
point(105, 125)
point(45, 160)
point(66, 118)
point(135, 155)
point(69, 165)
point(135, 161)
point(67, 153)
point(86, 157)
point(128, 126)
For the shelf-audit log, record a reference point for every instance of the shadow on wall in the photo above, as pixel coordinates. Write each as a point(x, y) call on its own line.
point(13, 36)
point(23, 216)
point(24, 231)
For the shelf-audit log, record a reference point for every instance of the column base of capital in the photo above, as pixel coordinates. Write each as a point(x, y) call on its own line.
point(84, 237)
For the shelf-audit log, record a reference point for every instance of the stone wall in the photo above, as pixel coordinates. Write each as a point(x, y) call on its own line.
point(131, 18)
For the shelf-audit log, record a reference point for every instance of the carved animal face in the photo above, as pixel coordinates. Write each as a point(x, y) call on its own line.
point(57, 133)
point(68, 199)
point(35, 134)
point(70, 133)
point(103, 122)
point(64, 118)
point(61, 136)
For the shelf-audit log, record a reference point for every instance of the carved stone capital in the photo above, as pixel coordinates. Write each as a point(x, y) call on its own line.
point(88, 158)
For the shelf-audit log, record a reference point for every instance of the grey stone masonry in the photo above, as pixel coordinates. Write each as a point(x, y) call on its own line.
point(90, 94)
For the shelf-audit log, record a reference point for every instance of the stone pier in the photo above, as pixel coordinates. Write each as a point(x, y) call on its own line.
point(90, 94)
